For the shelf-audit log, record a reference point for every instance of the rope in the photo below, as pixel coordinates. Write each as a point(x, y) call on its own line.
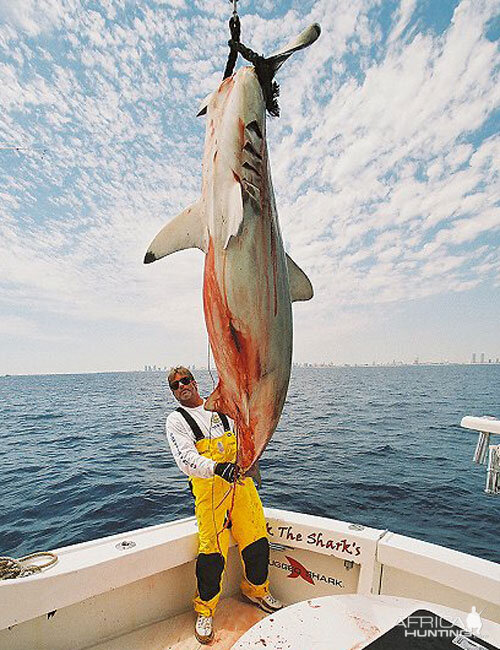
point(262, 67)
point(235, 29)
point(208, 364)
point(11, 568)
point(265, 74)
point(214, 508)
point(233, 486)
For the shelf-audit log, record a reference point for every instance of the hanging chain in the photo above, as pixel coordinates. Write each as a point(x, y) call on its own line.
point(264, 72)
point(235, 29)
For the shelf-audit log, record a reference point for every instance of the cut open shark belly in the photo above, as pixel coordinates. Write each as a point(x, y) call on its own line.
point(249, 281)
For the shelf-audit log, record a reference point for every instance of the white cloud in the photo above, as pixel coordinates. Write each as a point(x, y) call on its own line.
point(403, 16)
point(383, 194)
point(17, 326)
point(34, 16)
point(377, 148)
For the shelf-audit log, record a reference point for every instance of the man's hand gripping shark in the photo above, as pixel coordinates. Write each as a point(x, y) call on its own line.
point(249, 280)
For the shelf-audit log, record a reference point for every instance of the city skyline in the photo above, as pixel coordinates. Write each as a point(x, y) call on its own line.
point(394, 363)
point(482, 360)
point(383, 163)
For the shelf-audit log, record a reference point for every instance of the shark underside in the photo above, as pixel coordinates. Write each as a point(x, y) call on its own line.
point(249, 281)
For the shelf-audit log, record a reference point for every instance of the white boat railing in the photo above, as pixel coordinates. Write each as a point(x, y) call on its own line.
point(367, 560)
point(486, 453)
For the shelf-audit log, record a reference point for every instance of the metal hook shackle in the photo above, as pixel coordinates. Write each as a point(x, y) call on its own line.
point(235, 7)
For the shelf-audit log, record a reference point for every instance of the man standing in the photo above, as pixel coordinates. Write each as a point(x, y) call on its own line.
point(204, 447)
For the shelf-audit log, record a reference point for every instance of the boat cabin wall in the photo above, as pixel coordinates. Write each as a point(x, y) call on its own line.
point(296, 575)
point(383, 563)
point(314, 556)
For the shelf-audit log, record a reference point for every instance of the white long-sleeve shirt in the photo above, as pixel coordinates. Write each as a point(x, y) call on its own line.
point(182, 441)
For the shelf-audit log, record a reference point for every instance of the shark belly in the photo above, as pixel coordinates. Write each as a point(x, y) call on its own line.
point(249, 281)
point(249, 322)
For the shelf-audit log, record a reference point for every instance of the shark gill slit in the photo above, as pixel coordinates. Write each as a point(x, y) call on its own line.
point(247, 165)
point(250, 193)
point(254, 126)
point(252, 150)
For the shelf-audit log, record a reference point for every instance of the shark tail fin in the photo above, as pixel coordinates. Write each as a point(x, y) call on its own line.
point(300, 285)
point(186, 230)
point(303, 40)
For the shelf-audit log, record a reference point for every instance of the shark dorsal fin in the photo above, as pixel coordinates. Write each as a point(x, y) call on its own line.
point(300, 285)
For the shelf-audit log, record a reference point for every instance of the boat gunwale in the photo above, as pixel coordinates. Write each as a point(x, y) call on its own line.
point(97, 566)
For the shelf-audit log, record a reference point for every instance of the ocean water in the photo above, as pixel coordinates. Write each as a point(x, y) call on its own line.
point(83, 456)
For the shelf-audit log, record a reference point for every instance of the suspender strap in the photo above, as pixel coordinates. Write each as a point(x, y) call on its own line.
point(225, 421)
point(198, 435)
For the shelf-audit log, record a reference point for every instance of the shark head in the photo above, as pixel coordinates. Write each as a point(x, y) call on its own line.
point(236, 107)
point(236, 111)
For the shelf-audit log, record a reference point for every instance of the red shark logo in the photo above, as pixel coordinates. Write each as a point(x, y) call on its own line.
point(299, 570)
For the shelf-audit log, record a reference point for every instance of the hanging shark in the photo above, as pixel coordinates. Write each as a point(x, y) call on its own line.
point(249, 280)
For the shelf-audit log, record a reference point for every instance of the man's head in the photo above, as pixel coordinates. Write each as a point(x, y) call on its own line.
point(184, 387)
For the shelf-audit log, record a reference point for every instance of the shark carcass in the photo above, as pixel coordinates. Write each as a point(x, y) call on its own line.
point(249, 280)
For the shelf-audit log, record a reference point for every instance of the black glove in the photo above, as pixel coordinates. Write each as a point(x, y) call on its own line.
point(227, 471)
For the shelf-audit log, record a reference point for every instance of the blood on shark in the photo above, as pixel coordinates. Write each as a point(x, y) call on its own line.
point(249, 281)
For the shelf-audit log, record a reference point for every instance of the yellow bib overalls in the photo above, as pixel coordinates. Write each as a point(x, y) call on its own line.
point(218, 507)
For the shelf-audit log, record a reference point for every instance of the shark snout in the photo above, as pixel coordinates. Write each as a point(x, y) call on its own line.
point(250, 99)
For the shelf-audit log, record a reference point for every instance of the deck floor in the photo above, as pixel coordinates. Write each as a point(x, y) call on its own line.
point(232, 619)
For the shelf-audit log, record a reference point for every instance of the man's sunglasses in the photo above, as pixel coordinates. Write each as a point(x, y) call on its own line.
point(183, 380)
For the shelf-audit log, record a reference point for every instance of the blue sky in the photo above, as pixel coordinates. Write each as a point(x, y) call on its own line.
point(385, 167)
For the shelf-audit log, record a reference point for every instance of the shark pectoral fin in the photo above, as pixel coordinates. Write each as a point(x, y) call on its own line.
point(186, 230)
point(300, 285)
point(234, 212)
point(254, 472)
point(306, 38)
point(203, 107)
point(213, 401)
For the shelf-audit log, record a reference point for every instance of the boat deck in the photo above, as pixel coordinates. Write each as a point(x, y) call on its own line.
point(232, 619)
